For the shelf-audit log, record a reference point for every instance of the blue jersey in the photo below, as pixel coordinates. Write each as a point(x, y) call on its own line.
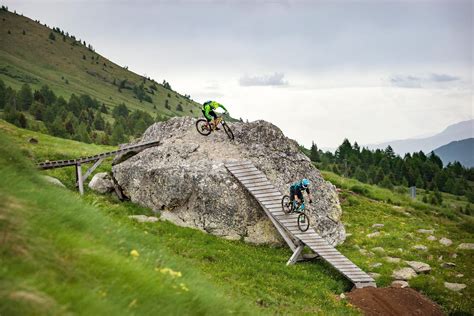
point(298, 187)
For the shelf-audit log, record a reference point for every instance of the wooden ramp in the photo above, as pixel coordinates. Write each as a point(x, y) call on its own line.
point(269, 198)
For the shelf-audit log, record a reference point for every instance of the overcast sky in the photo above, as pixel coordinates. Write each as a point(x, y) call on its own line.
point(370, 71)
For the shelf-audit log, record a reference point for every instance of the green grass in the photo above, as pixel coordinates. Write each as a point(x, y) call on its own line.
point(74, 252)
point(402, 218)
point(35, 59)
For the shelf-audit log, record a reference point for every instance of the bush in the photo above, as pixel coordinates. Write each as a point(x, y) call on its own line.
point(360, 189)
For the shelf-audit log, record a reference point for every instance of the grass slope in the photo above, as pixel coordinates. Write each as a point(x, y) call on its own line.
point(28, 55)
point(254, 278)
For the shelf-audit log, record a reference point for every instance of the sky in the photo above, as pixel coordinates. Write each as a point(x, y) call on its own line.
point(322, 71)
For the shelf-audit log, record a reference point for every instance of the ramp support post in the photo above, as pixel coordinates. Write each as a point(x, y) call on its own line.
point(296, 255)
point(80, 182)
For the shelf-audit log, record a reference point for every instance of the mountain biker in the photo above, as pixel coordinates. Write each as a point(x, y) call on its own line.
point(208, 108)
point(296, 191)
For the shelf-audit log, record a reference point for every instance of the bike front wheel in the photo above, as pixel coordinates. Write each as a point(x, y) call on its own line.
point(203, 127)
point(303, 222)
point(228, 131)
point(286, 204)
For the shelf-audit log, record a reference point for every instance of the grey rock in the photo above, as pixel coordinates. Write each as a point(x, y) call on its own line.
point(392, 259)
point(53, 181)
point(455, 286)
point(366, 253)
point(448, 265)
point(374, 234)
point(404, 274)
point(445, 241)
point(400, 284)
point(102, 182)
point(378, 250)
point(466, 246)
point(374, 275)
point(454, 255)
point(185, 178)
point(378, 225)
point(431, 238)
point(426, 231)
point(419, 267)
point(144, 218)
point(420, 247)
point(460, 275)
point(376, 265)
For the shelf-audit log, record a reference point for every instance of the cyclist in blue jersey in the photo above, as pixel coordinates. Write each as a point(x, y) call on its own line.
point(296, 191)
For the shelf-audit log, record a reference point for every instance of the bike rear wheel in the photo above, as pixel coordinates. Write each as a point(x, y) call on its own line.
point(286, 204)
point(203, 127)
point(228, 131)
point(303, 222)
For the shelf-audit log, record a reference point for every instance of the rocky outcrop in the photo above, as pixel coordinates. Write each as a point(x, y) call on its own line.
point(185, 179)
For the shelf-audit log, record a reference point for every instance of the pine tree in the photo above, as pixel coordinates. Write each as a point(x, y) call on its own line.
point(52, 36)
point(118, 133)
point(314, 153)
point(2, 94)
point(24, 97)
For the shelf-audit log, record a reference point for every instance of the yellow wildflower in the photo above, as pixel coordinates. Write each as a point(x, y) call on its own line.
point(134, 253)
point(173, 274)
point(183, 287)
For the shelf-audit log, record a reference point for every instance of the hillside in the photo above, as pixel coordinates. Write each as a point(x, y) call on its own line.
point(74, 254)
point(38, 55)
point(462, 151)
point(458, 131)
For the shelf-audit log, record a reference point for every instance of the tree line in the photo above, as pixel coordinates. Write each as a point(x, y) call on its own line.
point(81, 118)
point(385, 168)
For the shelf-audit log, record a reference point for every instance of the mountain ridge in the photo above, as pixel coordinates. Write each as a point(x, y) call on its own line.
point(461, 151)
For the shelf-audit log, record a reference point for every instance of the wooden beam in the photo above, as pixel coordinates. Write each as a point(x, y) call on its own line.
point(79, 178)
point(296, 254)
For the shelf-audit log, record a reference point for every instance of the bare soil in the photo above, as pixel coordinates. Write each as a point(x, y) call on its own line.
point(393, 302)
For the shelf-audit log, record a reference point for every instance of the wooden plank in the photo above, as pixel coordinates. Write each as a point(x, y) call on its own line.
point(247, 172)
point(260, 186)
point(241, 168)
point(253, 181)
point(268, 194)
point(246, 178)
point(79, 178)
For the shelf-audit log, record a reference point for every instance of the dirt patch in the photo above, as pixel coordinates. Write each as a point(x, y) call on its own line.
point(393, 302)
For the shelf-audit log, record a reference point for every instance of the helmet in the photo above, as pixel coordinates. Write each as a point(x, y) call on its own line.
point(305, 183)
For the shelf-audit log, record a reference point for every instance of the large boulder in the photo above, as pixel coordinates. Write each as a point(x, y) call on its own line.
point(185, 179)
point(102, 182)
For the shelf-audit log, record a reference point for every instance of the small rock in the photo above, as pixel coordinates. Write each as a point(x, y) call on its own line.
point(342, 296)
point(374, 275)
point(460, 275)
point(419, 267)
point(392, 259)
point(454, 286)
point(440, 258)
point(468, 246)
point(448, 265)
point(426, 231)
point(420, 247)
point(431, 238)
point(348, 235)
point(54, 181)
point(374, 234)
point(378, 250)
point(32, 140)
point(144, 218)
point(404, 274)
point(366, 253)
point(400, 284)
point(454, 255)
point(446, 241)
point(378, 225)
point(102, 182)
point(376, 265)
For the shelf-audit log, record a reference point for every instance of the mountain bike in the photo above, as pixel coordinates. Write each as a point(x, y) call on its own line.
point(206, 128)
point(290, 207)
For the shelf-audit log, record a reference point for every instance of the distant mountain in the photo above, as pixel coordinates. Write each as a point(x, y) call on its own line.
point(462, 151)
point(455, 132)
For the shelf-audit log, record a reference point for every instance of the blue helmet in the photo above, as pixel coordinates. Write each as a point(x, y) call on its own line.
point(305, 183)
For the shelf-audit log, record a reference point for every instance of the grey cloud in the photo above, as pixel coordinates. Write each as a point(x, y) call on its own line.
point(443, 77)
point(276, 79)
point(409, 81)
point(406, 81)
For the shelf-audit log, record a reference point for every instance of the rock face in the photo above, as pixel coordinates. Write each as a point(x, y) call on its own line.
point(102, 183)
point(419, 267)
point(185, 179)
point(54, 181)
point(404, 274)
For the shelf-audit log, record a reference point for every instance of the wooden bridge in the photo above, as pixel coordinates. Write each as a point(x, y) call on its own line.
point(96, 159)
point(269, 199)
